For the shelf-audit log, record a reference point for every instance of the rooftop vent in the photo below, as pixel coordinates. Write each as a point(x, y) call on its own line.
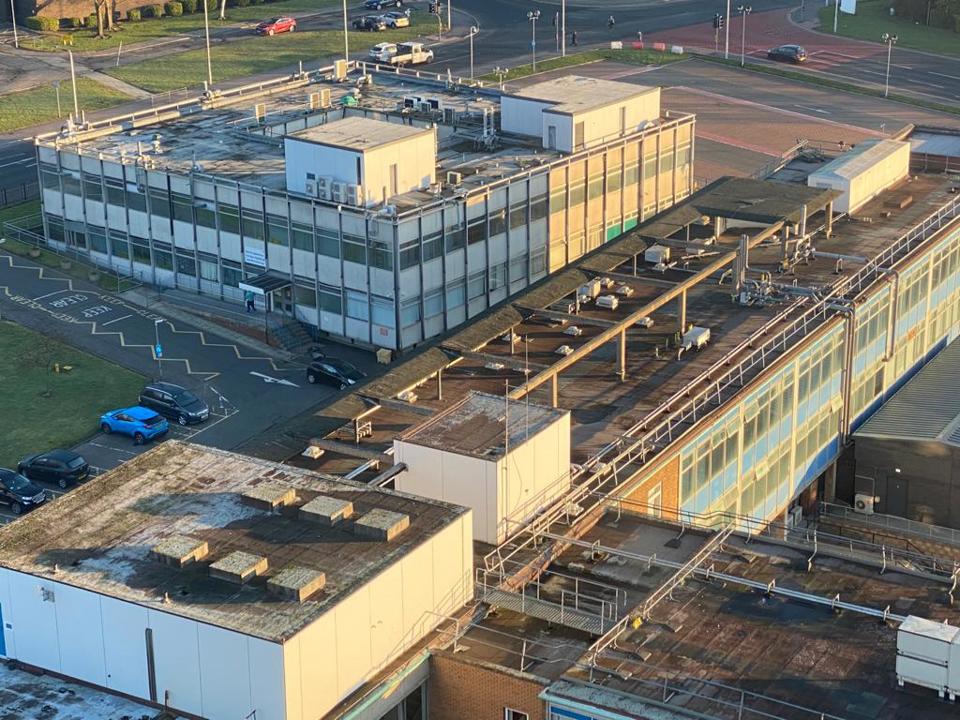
point(269, 496)
point(180, 550)
point(296, 583)
point(380, 524)
point(326, 510)
point(238, 567)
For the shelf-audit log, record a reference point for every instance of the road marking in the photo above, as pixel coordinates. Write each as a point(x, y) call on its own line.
point(116, 320)
point(18, 162)
point(952, 77)
point(277, 381)
point(113, 449)
point(55, 292)
point(812, 109)
point(921, 82)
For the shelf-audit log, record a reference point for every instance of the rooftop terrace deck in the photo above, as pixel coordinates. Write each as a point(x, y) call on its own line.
point(101, 537)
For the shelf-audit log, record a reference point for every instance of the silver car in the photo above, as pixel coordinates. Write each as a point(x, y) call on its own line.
point(396, 19)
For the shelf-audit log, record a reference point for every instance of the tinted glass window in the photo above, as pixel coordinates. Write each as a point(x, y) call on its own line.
point(75, 463)
point(186, 397)
point(17, 482)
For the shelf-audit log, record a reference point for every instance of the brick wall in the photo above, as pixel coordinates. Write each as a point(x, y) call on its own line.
point(668, 476)
point(463, 689)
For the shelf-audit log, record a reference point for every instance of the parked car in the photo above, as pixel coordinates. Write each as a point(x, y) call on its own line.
point(19, 493)
point(396, 19)
point(330, 371)
point(382, 52)
point(174, 402)
point(277, 25)
point(140, 423)
point(370, 23)
point(787, 53)
point(381, 4)
point(63, 467)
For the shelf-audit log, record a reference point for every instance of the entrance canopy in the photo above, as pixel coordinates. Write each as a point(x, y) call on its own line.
point(266, 282)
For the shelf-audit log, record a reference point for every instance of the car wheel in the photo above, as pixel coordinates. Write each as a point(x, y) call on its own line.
point(62, 483)
point(182, 419)
point(270, 32)
point(16, 508)
point(105, 428)
point(138, 438)
point(312, 379)
point(343, 385)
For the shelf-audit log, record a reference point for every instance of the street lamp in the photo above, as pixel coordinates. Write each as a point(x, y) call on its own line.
point(157, 350)
point(13, 18)
point(206, 32)
point(744, 10)
point(836, 15)
point(726, 34)
point(563, 28)
point(890, 40)
point(56, 86)
point(501, 73)
point(533, 16)
point(473, 31)
point(346, 39)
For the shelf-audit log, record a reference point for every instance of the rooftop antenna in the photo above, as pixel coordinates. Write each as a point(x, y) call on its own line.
point(73, 82)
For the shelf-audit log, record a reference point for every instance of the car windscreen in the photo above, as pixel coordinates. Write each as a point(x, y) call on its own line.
point(76, 462)
point(16, 482)
point(186, 398)
point(345, 369)
point(151, 421)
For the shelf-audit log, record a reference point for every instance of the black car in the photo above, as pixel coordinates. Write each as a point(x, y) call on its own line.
point(370, 23)
point(381, 4)
point(330, 371)
point(19, 493)
point(788, 53)
point(62, 467)
point(174, 402)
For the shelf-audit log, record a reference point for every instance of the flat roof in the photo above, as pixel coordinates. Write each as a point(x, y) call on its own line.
point(477, 426)
point(860, 158)
point(100, 536)
point(576, 93)
point(359, 133)
point(926, 408)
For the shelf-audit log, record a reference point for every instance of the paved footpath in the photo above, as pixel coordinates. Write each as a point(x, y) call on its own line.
point(247, 391)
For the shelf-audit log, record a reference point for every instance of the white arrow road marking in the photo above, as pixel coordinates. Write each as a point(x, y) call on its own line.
point(277, 381)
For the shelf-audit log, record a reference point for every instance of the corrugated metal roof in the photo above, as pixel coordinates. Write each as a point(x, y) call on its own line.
point(927, 407)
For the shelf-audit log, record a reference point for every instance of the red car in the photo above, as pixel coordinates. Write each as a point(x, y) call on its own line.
point(276, 25)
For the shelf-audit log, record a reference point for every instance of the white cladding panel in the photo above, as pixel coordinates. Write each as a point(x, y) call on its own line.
point(522, 115)
point(208, 671)
point(125, 647)
point(459, 479)
point(302, 157)
point(370, 628)
point(860, 181)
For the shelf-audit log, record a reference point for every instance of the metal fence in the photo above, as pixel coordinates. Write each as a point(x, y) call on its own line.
point(19, 193)
point(878, 521)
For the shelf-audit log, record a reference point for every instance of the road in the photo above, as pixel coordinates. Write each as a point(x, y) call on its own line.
point(248, 392)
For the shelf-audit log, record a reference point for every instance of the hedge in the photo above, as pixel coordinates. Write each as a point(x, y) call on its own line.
point(189, 6)
point(173, 8)
point(153, 11)
point(241, 3)
point(92, 21)
point(74, 22)
point(133, 15)
point(42, 23)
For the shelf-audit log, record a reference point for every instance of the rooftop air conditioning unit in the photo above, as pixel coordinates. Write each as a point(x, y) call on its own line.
point(321, 99)
point(795, 518)
point(608, 301)
point(863, 503)
point(323, 187)
point(310, 187)
point(449, 116)
point(355, 195)
point(426, 107)
point(454, 178)
point(340, 70)
point(260, 111)
point(338, 192)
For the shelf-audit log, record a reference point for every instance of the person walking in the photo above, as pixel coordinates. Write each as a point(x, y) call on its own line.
point(573, 38)
point(250, 300)
point(611, 22)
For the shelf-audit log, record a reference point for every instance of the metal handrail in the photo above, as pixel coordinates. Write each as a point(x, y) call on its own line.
point(705, 401)
point(922, 530)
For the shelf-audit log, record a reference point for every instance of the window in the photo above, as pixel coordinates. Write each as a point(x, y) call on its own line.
point(354, 250)
point(518, 216)
point(477, 230)
point(382, 312)
point(301, 236)
point(498, 276)
point(55, 228)
point(186, 265)
point(304, 296)
point(455, 296)
point(71, 182)
point(162, 257)
point(331, 300)
point(229, 218)
point(50, 179)
point(253, 224)
point(183, 207)
point(509, 714)
point(97, 239)
point(118, 244)
point(477, 285)
point(208, 268)
point(277, 230)
point(328, 243)
point(136, 200)
point(381, 255)
point(538, 208)
point(114, 191)
point(433, 303)
point(409, 253)
point(357, 305)
point(432, 246)
point(498, 221)
point(92, 188)
point(455, 238)
point(206, 217)
point(159, 202)
point(141, 250)
point(230, 271)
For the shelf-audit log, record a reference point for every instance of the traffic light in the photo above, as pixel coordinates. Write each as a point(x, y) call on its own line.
point(718, 21)
point(434, 8)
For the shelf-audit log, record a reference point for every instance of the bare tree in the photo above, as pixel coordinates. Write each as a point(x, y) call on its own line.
point(100, 8)
point(223, 9)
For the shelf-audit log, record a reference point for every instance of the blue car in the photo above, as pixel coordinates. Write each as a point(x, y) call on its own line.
point(138, 422)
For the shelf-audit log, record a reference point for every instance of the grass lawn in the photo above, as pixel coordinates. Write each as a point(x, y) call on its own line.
point(256, 55)
point(40, 409)
point(37, 105)
point(631, 57)
point(153, 29)
point(873, 20)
